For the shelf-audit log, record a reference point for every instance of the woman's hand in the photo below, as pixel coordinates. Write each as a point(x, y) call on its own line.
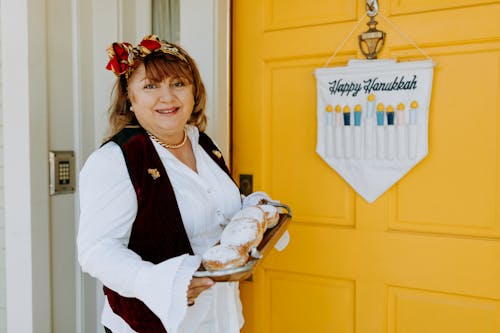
point(196, 287)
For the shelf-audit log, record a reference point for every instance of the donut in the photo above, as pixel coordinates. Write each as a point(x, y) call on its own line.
point(243, 233)
point(255, 199)
point(221, 257)
point(253, 212)
point(271, 215)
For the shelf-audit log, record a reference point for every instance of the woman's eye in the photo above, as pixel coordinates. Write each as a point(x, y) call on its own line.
point(178, 84)
point(150, 86)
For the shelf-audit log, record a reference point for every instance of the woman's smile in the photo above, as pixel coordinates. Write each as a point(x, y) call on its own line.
point(167, 110)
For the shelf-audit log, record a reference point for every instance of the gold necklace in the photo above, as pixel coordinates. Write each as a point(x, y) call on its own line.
point(170, 146)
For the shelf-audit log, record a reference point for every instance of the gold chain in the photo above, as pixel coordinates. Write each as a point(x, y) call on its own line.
point(170, 146)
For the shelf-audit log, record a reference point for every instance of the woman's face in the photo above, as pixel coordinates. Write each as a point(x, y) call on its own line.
point(162, 108)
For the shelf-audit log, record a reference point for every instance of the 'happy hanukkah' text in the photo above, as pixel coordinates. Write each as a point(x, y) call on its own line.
point(371, 85)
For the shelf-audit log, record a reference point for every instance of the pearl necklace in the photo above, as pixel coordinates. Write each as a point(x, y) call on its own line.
point(170, 146)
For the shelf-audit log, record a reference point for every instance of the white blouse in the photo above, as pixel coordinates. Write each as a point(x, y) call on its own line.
point(108, 208)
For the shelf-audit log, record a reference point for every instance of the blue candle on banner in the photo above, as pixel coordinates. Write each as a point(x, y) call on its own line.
point(347, 115)
point(390, 115)
point(391, 151)
point(357, 115)
point(329, 115)
point(380, 114)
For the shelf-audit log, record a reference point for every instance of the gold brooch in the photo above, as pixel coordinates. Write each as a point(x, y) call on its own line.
point(154, 173)
point(217, 153)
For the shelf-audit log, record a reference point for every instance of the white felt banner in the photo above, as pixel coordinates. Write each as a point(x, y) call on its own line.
point(373, 120)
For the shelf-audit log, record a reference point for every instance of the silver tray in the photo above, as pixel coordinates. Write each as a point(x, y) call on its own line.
point(271, 236)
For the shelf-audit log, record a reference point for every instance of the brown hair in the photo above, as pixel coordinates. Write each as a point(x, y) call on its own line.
point(159, 66)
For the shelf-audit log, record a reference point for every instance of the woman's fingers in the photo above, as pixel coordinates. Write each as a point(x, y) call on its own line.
point(196, 287)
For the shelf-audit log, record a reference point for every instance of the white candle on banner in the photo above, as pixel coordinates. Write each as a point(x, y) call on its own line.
point(338, 115)
point(401, 131)
point(369, 127)
point(329, 131)
point(370, 106)
point(369, 148)
point(400, 115)
point(412, 131)
point(413, 112)
point(338, 132)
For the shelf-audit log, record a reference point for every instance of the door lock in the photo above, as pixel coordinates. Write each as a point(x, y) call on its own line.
point(62, 172)
point(246, 184)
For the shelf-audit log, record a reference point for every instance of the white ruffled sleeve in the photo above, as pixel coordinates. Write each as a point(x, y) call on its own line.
point(153, 284)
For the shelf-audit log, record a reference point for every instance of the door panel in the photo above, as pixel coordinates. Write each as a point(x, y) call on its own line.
point(425, 256)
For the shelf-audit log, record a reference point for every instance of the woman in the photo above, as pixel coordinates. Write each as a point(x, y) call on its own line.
point(153, 198)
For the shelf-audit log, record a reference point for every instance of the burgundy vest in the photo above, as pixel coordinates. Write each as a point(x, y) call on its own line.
point(158, 231)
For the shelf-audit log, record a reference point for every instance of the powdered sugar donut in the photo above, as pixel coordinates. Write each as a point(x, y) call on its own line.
point(271, 215)
point(255, 199)
point(243, 233)
point(253, 212)
point(223, 257)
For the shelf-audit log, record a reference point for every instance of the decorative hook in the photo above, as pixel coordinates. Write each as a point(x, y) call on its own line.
point(371, 41)
point(371, 8)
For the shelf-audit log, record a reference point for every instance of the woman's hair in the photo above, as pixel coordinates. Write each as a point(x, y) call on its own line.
point(159, 66)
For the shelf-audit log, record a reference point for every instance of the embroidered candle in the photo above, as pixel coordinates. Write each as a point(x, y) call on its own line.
point(329, 116)
point(390, 115)
point(400, 114)
point(380, 114)
point(338, 115)
point(347, 115)
point(370, 106)
point(357, 115)
point(413, 112)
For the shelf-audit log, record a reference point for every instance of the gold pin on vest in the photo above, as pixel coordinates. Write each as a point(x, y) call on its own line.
point(217, 153)
point(154, 173)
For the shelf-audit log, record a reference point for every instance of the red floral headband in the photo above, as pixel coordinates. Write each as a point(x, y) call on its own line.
point(122, 55)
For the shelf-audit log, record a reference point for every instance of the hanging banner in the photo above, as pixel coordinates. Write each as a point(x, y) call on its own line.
point(373, 121)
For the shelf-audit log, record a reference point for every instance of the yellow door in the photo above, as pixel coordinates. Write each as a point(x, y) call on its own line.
point(425, 256)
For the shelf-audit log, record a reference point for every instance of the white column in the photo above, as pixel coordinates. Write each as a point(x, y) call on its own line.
point(25, 155)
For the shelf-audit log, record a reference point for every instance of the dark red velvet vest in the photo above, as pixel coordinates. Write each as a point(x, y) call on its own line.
point(158, 232)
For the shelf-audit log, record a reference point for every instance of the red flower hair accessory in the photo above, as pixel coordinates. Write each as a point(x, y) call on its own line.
point(121, 58)
point(122, 55)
